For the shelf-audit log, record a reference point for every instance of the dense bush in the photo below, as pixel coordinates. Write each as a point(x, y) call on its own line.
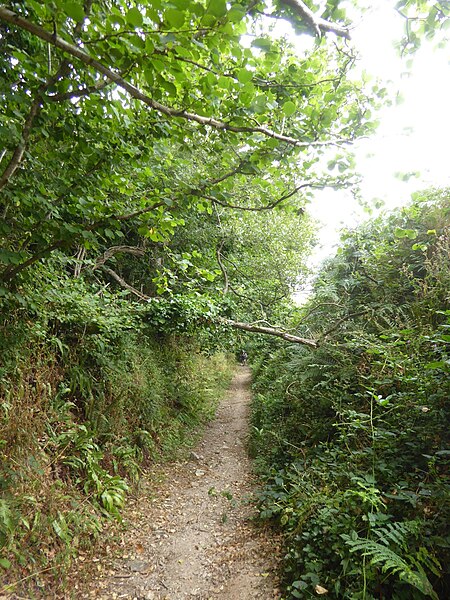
point(352, 437)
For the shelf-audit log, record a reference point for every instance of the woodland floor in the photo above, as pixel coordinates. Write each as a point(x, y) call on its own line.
point(190, 534)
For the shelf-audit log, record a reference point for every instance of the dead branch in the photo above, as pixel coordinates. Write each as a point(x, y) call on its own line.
point(252, 328)
point(79, 257)
point(116, 250)
point(124, 284)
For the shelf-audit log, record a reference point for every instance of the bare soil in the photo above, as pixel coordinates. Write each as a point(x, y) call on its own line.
point(190, 535)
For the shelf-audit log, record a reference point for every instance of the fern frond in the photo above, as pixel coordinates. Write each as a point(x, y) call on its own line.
point(397, 533)
point(393, 564)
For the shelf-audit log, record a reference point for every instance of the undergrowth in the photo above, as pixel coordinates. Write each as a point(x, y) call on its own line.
point(88, 398)
point(352, 438)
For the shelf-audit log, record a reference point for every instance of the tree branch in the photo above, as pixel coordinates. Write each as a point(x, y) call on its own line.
point(10, 272)
point(317, 24)
point(36, 104)
point(116, 250)
point(35, 108)
point(222, 268)
point(193, 192)
point(18, 153)
point(294, 339)
point(86, 91)
point(58, 42)
point(339, 323)
point(137, 213)
point(260, 208)
point(124, 284)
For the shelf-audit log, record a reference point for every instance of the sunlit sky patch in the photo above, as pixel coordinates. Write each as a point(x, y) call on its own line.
point(413, 137)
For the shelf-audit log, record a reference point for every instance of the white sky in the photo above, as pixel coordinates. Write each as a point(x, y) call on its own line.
point(413, 136)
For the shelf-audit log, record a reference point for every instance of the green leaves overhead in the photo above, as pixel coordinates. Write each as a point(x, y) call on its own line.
point(218, 8)
point(74, 10)
point(174, 17)
point(244, 75)
point(289, 108)
point(134, 17)
point(154, 110)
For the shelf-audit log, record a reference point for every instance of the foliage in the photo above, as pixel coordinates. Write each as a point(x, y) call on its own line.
point(217, 125)
point(352, 437)
point(156, 162)
point(89, 396)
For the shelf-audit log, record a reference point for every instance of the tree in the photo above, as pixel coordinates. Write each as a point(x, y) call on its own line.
point(121, 118)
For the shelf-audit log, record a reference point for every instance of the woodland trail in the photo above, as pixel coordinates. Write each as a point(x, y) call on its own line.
point(192, 536)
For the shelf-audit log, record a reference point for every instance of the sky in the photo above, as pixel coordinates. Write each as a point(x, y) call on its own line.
point(413, 136)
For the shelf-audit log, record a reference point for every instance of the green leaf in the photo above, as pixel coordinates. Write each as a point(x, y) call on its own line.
point(218, 8)
point(174, 17)
point(441, 364)
point(224, 82)
point(236, 14)
point(262, 43)
point(149, 78)
point(5, 563)
point(74, 10)
point(134, 17)
point(289, 108)
point(405, 233)
point(244, 75)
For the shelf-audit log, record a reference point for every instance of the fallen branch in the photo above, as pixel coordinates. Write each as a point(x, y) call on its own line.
point(252, 328)
point(124, 284)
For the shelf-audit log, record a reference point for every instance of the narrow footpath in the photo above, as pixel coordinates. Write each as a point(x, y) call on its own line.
point(192, 536)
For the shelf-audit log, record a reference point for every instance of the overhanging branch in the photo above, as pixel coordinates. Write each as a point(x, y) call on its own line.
point(84, 57)
point(315, 23)
point(269, 206)
point(252, 328)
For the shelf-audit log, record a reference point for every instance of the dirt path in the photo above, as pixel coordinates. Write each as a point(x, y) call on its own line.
point(193, 538)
